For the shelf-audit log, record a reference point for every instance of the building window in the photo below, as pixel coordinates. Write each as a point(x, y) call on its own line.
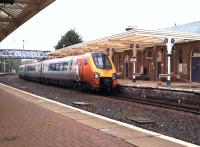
point(182, 67)
point(180, 55)
point(149, 54)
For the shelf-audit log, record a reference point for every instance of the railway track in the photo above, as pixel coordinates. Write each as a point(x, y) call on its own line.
point(174, 106)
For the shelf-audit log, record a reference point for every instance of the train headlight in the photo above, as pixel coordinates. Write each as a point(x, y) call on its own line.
point(114, 76)
point(96, 75)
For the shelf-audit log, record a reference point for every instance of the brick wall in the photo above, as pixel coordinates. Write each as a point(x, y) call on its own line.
point(158, 58)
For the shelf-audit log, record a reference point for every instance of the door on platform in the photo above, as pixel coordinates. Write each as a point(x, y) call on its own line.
point(195, 69)
point(126, 70)
point(158, 69)
point(126, 66)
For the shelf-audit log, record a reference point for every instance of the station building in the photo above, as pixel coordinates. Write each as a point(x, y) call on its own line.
point(166, 55)
point(152, 62)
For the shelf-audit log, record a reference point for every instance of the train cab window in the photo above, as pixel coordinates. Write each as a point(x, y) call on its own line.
point(65, 65)
point(101, 61)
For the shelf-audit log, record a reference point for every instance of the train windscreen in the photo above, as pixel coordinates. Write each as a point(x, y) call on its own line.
point(101, 61)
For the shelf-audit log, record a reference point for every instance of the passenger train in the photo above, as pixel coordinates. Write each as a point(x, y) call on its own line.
point(91, 70)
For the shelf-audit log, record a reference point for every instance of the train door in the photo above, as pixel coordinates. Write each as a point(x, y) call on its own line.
point(195, 69)
point(87, 72)
point(70, 68)
point(80, 69)
point(126, 70)
point(74, 72)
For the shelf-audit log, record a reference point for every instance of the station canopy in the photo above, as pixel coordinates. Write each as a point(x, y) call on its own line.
point(123, 41)
point(14, 15)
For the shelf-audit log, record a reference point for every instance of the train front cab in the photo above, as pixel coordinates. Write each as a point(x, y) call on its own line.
point(99, 71)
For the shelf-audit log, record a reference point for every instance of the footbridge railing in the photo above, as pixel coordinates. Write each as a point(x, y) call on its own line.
point(23, 54)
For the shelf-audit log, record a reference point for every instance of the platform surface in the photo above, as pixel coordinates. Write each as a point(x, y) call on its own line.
point(29, 120)
point(186, 86)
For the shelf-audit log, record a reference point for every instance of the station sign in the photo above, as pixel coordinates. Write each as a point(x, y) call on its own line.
point(133, 59)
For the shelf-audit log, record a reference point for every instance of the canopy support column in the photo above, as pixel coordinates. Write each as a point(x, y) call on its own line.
point(169, 43)
point(134, 59)
point(110, 54)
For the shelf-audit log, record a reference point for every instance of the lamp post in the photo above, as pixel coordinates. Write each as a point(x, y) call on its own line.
point(4, 67)
point(23, 44)
point(1, 67)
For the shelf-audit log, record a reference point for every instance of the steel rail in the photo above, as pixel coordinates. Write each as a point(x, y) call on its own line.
point(162, 104)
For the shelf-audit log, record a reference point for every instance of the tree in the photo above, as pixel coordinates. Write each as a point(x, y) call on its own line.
point(70, 38)
point(9, 64)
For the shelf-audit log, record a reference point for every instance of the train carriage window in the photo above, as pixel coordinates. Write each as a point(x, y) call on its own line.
point(65, 66)
point(31, 68)
point(57, 67)
point(21, 69)
point(50, 67)
point(61, 67)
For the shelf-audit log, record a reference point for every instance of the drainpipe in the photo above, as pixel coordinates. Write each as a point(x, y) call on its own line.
point(169, 43)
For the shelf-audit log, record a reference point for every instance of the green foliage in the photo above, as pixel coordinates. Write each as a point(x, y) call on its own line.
point(11, 64)
point(70, 38)
point(28, 61)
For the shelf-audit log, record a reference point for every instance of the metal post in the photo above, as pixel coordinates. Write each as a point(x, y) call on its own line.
point(169, 70)
point(134, 77)
point(23, 44)
point(169, 43)
point(4, 67)
point(1, 66)
point(134, 50)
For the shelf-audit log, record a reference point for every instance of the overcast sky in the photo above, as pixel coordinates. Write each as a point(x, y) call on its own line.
point(93, 19)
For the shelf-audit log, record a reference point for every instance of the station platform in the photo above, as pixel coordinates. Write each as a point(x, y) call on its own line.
point(3, 73)
point(185, 86)
point(30, 120)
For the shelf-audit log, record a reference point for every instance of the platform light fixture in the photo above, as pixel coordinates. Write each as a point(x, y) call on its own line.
point(7, 2)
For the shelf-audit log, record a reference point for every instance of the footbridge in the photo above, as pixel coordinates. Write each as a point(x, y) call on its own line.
point(23, 54)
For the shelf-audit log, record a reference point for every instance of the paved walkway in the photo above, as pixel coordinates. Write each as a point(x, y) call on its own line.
point(188, 86)
point(25, 124)
point(30, 121)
